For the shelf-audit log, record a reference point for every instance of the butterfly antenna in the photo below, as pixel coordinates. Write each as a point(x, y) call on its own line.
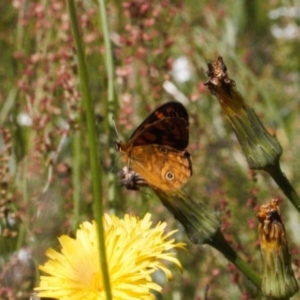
point(118, 137)
point(114, 164)
point(116, 129)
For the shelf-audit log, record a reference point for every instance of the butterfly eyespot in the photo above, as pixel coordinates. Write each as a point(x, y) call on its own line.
point(163, 150)
point(169, 175)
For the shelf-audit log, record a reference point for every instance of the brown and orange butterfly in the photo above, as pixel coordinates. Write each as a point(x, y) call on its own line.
point(156, 149)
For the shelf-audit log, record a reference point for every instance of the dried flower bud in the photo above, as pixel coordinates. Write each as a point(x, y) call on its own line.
point(200, 223)
point(261, 149)
point(278, 277)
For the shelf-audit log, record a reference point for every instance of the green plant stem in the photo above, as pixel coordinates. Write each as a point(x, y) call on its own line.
point(94, 162)
point(218, 242)
point(281, 180)
point(108, 56)
point(9, 103)
point(76, 177)
point(24, 184)
point(110, 103)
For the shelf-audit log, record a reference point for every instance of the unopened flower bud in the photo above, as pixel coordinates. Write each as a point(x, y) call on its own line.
point(278, 277)
point(261, 149)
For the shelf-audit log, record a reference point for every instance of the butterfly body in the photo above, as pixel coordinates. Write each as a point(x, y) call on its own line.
point(156, 149)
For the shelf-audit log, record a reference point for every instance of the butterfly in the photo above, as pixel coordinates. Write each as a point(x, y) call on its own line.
point(156, 149)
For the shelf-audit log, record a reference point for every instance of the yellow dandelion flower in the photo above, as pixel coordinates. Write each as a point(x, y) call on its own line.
point(134, 251)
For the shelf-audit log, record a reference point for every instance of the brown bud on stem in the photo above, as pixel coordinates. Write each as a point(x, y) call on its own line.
point(278, 277)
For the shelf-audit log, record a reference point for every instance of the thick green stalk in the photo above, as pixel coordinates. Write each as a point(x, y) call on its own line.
point(218, 242)
point(94, 161)
point(282, 181)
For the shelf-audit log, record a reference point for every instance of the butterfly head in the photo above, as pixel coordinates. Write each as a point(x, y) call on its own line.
point(118, 146)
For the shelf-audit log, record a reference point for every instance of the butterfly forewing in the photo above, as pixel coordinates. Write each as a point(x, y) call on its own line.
point(172, 132)
point(167, 110)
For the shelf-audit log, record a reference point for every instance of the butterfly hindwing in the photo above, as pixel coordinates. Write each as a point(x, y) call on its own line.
point(163, 167)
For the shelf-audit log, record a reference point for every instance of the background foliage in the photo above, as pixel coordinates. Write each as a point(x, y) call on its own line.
point(44, 174)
